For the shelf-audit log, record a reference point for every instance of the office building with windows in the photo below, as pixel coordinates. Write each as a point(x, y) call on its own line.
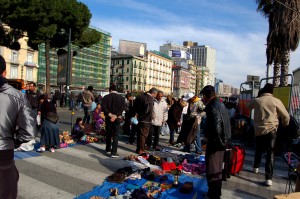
point(203, 56)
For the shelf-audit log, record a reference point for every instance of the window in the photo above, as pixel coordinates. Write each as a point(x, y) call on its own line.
point(127, 78)
point(126, 86)
point(14, 56)
point(122, 62)
point(128, 61)
point(127, 70)
point(116, 70)
point(13, 72)
point(29, 74)
point(29, 57)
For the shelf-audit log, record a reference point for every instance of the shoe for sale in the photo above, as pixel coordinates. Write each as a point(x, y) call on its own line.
point(52, 150)
point(255, 170)
point(41, 149)
point(114, 155)
point(268, 183)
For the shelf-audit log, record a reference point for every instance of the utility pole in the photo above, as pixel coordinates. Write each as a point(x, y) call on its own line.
point(68, 69)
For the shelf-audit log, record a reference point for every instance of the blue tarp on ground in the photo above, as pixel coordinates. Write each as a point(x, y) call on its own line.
point(26, 154)
point(199, 186)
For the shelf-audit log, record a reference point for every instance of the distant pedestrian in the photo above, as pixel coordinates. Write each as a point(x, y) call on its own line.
point(33, 97)
point(113, 106)
point(159, 118)
point(267, 108)
point(72, 100)
point(143, 108)
point(218, 132)
point(88, 99)
point(50, 129)
point(174, 118)
point(79, 101)
point(18, 125)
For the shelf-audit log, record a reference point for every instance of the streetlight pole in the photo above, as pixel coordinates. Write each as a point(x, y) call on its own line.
point(68, 69)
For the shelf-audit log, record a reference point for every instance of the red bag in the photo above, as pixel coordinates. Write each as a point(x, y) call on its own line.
point(238, 158)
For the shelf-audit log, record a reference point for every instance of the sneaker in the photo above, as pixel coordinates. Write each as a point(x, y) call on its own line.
point(108, 153)
point(41, 149)
point(52, 150)
point(268, 183)
point(114, 155)
point(255, 170)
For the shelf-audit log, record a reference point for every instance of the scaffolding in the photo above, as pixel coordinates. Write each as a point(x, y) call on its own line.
point(90, 67)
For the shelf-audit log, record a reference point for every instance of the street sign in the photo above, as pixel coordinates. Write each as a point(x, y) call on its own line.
point(252, 78)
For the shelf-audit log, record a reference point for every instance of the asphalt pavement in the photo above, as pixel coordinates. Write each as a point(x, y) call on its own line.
point(71, 171)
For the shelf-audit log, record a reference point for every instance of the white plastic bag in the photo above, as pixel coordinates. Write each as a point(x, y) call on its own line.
point(38, 119)
point(165, 130)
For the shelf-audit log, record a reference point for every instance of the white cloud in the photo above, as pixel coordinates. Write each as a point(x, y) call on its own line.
point(238, 53)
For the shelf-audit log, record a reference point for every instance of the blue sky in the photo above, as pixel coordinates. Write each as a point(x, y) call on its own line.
point(232, 27)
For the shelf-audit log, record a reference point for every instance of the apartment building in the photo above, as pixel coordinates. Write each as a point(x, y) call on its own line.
point(181, 81)
point(128, 73)
point(159, 71)
point(22, 64)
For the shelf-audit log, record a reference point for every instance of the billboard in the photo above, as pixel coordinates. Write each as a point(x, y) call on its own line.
point(62, 70)
point(180, 54)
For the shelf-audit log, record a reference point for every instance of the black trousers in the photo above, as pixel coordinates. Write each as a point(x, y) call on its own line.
point(214, 166)
point(265, 143)
point(133, 132)
point(143, 131)
point(154, 131)
point(112, 132)
point(9, 175)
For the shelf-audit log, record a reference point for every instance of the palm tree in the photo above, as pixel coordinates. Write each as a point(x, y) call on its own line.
point(283, 37)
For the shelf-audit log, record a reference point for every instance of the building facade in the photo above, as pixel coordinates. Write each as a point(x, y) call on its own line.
point(203, 56)
point(22, 64)
point(128, 73)
point(89, 67)
point(181, 81)
point(159, 72)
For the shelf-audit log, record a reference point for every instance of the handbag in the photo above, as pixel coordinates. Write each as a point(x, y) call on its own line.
point(52, 117)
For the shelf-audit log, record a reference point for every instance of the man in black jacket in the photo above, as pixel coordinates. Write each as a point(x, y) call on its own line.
point(113, 106)
point(218, 132)
point(17, 126)
point(143, 107)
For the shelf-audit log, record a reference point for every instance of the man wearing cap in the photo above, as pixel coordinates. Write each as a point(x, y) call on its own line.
point(17, 125)
point(192, 126)
point(88, 99)
point(267, 108)
point(217, 132)
point(143, 108)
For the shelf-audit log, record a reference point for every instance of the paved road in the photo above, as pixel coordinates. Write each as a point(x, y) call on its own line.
point(75, 170)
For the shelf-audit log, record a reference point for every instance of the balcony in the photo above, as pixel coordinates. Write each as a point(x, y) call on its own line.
point(139, 82)
point(140, 67)
point(14, 61)
point(134, 81)
point(30, 64)
point(140, 75)
point(135, 66)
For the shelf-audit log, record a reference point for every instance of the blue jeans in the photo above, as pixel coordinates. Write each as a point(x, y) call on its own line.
point(86, 116)
point(198, 140)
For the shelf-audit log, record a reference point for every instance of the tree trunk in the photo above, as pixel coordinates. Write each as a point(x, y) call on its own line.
point(285, 62)
point(47, 55)
point(276, 73)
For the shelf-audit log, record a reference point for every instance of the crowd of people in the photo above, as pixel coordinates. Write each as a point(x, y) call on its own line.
point(23, 115)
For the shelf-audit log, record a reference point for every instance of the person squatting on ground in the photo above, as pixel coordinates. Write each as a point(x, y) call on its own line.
point(174, 118)
point(143, 107)
point(77, 130)
point(88, 99)
point(50, 128)
point(192, 126)
point(218, 132)
point(113, 106)
point(97, 117)
point(266, 111)
point(18, 125)
point(159, 118)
